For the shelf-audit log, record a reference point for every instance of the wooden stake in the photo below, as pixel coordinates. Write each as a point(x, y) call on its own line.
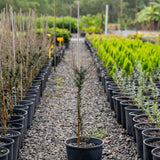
point(13, 39)
point(70, 19)
point(21, 56)
point(1, 78)
point(63, 18)
point(78, 36)
point(55, 35)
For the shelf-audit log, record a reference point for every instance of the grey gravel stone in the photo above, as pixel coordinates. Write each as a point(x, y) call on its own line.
point(55, 117)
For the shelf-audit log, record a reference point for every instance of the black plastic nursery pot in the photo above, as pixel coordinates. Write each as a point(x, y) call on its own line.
point(31, 97)
point(99, 70)
point(66, 45)
point(132, 115)
point(42, 79)
point(139, 127)
point(8, 143)
point(26, 108)
point(16, 136)
point(23, 113)
point(96, 61)
point(4, 152)
point(38, 81)
point(140, 118)
point(103, 78)
point(17, 127)
point(84, 153)
point(151, 133)
point(109, 84)
point(110, 89)
point(19, 112)
point(124, 104)
point(83, 34)
point(156, 153)
point(129, 109)
point(44, 73)
point(16, 119)
point(13, 126)
point(34, 90)
point(114, 104)
point(118, 107)
point(30, 110)
point(108, 81)
point(148, 146)
point(58, 59)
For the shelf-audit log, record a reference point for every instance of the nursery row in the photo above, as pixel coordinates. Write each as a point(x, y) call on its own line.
point(24, 70)
point(125, 53)
point(131, 88)
point(15, 127)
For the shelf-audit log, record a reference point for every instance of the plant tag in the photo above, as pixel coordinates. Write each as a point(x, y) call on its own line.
point(60, 39)
point(50, 48)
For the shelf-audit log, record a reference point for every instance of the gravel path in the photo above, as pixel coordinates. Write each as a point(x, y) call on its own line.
point(55, 117)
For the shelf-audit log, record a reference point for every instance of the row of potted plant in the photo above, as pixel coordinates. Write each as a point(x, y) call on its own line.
point(24, 70)
point(129, 71)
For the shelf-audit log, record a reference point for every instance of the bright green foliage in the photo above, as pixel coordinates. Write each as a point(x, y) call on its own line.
point(126, 52)
point(150, 13)
point(59, 33)
point(127, 66)
point(59, 22)
point(92, 23)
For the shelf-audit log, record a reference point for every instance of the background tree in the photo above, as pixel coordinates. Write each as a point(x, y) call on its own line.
point(86, 7)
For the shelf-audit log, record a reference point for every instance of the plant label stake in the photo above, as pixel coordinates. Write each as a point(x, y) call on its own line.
point(106, 22)
point(60, 39)
point(50, 49)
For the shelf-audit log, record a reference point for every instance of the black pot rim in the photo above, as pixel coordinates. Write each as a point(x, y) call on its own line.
point(20, 126)
point(127, 108)
point(119, 98)
point(7, 151)
point(137, 116)
point(154, 151)
point(16, 133)
point(28, 102)
point(114, 96)
point(149, 129)
point(20, 109)
point(141, 123)
point(84, 148)
point(123, 102)
point(150, 139)
point(2, 139)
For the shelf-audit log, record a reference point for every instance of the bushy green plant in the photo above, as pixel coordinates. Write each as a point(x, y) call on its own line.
point(126, 52)
point(91, 23)
point(127, 67)
point(59, 22)
point(59, 33)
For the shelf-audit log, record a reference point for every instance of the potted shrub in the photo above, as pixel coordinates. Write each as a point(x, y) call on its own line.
point(82, 147)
